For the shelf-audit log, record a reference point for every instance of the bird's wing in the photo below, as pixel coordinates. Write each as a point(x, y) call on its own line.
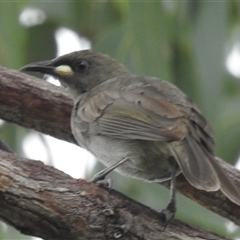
point(132, 114)
point(145, 113)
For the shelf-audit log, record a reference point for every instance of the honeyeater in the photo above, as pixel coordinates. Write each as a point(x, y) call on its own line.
point(142, 127)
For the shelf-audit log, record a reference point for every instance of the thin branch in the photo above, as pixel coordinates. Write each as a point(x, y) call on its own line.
point(41, 201)
point(5, 147)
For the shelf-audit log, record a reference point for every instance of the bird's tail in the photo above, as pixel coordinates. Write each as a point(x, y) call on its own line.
point(228, 187)
point(203, 171)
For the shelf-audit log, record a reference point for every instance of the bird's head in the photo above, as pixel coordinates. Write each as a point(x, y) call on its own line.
point(79, 71)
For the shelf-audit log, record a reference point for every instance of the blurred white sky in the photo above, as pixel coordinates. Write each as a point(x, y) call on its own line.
point(233, 60)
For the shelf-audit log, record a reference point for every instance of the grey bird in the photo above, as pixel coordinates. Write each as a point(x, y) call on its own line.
point(141, 126)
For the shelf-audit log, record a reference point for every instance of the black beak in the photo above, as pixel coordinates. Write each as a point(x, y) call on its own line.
point(45, 67)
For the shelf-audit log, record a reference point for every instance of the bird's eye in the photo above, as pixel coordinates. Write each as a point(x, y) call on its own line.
point(82, 66)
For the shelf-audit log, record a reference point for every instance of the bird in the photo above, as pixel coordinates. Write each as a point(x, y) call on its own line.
point(140, 126)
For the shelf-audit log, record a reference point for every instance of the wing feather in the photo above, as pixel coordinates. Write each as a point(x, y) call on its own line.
point(132, 115)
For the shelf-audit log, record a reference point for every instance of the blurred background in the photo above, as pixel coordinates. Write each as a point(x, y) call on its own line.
point(193, 44)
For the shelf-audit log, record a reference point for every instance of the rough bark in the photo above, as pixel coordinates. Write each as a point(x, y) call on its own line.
point(32, 103)
point(36, 104)
point(42, 201)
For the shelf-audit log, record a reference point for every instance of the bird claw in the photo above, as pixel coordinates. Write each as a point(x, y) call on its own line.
point(166, 215)
point(106, 183)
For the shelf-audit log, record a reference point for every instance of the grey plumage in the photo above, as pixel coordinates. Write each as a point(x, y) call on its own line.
point(148, 121)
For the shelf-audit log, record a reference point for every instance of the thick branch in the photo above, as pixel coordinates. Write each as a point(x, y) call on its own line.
point(36, 104)
point(42, 201)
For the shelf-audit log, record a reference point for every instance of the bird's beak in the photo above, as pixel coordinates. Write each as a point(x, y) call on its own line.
point(45, 67)
point(48, 67)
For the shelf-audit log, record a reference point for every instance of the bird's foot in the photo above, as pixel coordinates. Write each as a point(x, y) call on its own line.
point(167, 214)
point(100, 180)
point(106, 183)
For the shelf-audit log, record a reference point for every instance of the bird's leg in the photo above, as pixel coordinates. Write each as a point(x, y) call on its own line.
point(100, 176)
point(168, 213)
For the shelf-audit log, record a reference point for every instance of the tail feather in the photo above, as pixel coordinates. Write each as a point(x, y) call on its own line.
point(203, 171)
point(196, 166)
point(228, 187)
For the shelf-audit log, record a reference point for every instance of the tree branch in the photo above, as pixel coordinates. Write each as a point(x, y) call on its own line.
point(32, 103)
point(5, 147)
point(42, 201)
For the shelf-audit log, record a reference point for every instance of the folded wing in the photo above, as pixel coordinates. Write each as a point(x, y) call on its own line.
point(145, 113)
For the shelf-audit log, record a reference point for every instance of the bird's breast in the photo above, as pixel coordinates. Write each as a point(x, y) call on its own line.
point(148, 160)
